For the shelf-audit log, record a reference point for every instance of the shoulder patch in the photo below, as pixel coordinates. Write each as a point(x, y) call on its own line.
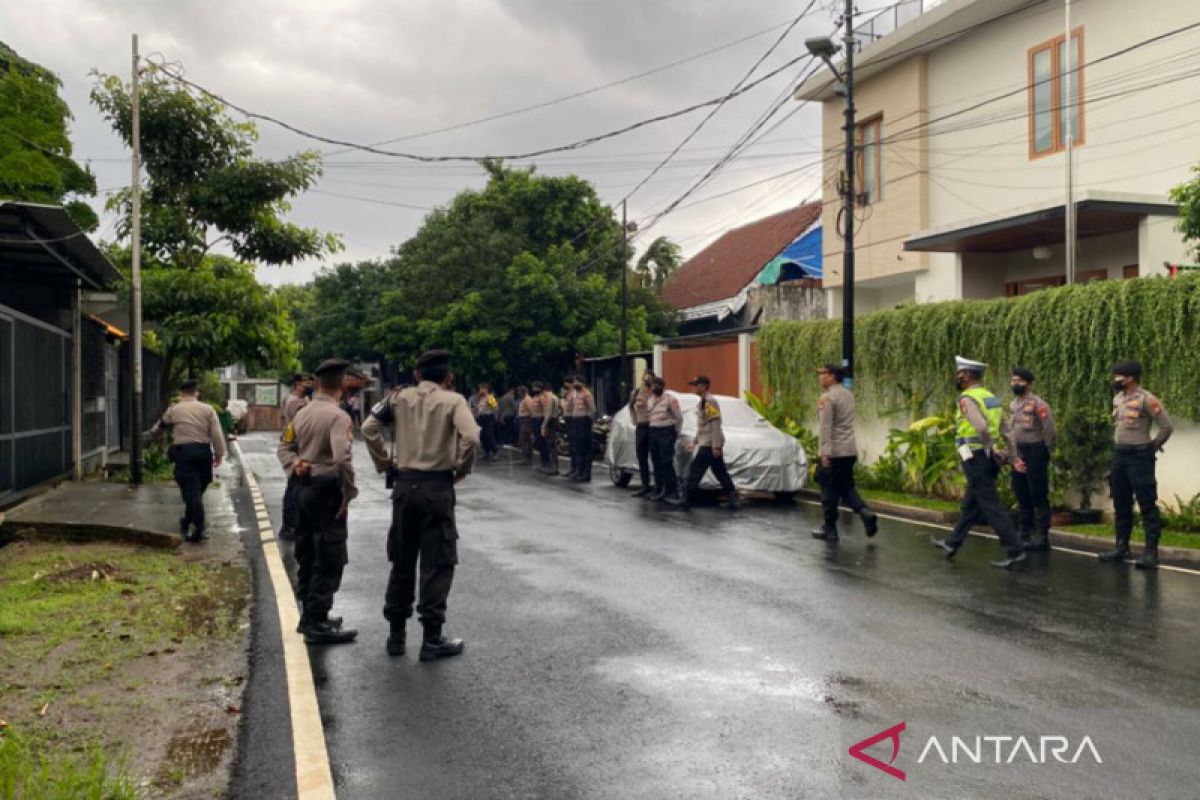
point(1155, 406)
point(1043, 411)
point(711, 411)
point(289, 434)
point(991, 402)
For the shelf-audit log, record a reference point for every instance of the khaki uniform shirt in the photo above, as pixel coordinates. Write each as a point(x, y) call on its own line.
point(321, 435)
point(292, 406)
point(1030, 422)
point(663, 411)
point(193, 422)
point(485, 406)
point(835, 423)
point(525, 409)
point(709, 432)
point(550, 407)
point(639, 405)
point(1133, 414)
point(427, 423)
point(583, 404)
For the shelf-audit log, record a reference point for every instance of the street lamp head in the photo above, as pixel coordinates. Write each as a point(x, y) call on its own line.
point(631, 226)
point(822, 47)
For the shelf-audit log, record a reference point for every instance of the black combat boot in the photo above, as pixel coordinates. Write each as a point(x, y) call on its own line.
point(183, 528)
point(1120, 554)
point(287, 534)
point(656, 495)
point(333, 621)
point(436, 646)
point(826, 532)
point(944, 546)
point(870, 521)
point(1149, 559)
point(733, 504)
point(395, 640)
point(1010, 560)
point(645, 491)
point(326, 632)
point(1040, 543)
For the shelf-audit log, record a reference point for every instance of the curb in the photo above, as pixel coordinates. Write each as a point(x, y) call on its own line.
point(10, 531)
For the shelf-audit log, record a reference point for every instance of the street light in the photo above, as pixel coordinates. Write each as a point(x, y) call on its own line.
point(824, 48)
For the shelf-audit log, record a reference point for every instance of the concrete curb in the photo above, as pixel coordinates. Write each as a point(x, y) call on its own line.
point(83, 532)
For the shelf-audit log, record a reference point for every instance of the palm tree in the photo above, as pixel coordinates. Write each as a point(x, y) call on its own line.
point(658, 264)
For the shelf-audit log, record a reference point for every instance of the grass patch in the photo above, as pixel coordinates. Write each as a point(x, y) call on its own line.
point(915, 501)
point(27, 773)
point(1170, 538)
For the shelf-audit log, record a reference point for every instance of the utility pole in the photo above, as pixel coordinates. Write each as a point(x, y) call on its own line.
point(135, 279)
point(623, 381)
point(848, 204)
point(1068, 68)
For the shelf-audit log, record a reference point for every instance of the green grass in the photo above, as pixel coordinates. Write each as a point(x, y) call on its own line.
point(27, 774)
point(915, 501)
point(1170, 538)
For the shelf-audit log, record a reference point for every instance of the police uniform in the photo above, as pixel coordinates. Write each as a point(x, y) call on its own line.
point(567, 409)
point(316, 448)
point(485, 409)
point(525, 428)
point(435, 436)
point(639, 416)
point(291, 407)
point(1135, 411)
point(1030, 433)
point(837, 443)
point(580, 417)
point(708, 449)
point(665, 421)
point(547, 429)
point(196, 441)
point(978, 431)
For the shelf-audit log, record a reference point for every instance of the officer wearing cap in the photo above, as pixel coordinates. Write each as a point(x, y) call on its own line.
point(639, 416)
point(839, 453)
point(538, 408)
point(316, 449)
point(1030, 433)
point(666, 419)
point(435, 438)
point(1135, 411)
point(708, 449)
point(551, 407)
point(302, 390)
point(980, 449)
point(581, 416)
point(197, 445)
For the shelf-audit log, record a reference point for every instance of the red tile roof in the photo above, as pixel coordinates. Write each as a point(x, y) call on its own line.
point(729, 264)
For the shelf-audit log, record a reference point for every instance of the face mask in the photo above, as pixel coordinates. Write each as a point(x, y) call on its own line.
point(1118, 385)
point(308, 391)
point(1019, 389)
point(658, 391)
point(536, 392)
point(961, 383)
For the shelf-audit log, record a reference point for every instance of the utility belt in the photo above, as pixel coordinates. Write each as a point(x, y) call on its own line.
point(446, 475)
point(1134, 449)
point(189, 451)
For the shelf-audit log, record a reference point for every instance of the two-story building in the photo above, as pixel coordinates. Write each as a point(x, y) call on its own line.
point(963, 117)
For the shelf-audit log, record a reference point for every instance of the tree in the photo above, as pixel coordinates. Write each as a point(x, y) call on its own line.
point(1187, 195)
point(656, 266)
point(331, 312)
point(517, 279)
point(35, 149)
point(204, 186)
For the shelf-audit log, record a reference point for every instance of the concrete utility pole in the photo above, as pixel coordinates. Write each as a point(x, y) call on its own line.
point(135, 279)
point(623, 381)
point(1072, 110)
point(848, 206)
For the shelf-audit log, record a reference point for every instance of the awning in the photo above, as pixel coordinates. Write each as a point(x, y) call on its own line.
point(40, 243)
point(800, 259)
point(1097, 214)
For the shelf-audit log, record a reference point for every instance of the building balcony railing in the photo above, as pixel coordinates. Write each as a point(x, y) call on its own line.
point(886, 20)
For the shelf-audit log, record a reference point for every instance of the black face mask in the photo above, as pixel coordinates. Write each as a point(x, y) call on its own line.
point(536, 392)
point(1118, 385)
point(658, 391)
point(308, 391)
point(1019, 389)
point(961, 383)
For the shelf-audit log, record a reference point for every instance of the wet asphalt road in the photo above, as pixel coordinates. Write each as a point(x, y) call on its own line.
point(618, 650)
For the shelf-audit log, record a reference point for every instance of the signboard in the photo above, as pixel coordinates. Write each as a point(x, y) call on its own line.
point(266, 394)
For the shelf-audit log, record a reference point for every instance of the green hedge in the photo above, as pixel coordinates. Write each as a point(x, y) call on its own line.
point(1070, 337)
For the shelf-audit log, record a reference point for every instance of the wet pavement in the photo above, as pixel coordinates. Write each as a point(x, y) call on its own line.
point(617, 649)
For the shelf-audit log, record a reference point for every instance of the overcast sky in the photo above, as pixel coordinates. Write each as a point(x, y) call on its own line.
point(373, 70)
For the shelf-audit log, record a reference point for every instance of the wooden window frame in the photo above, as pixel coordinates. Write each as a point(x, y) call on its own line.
point(1056, 90)
point(860, 138)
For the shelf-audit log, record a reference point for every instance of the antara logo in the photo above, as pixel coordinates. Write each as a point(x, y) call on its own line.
point(979, 750)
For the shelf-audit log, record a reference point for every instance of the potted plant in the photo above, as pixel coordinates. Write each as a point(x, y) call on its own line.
point(1083, 451)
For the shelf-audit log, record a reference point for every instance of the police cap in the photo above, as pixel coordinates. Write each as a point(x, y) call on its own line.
point(434, 358)
point(1130, 368)
point(967, 365)
point(300, 377)
point(1023, 373)
point(331, 366)
point(700, 380)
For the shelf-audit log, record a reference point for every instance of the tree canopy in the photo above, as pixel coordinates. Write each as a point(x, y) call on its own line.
point(35, 148)
point(658, 263)
point(331, 312)
point(1187, 195)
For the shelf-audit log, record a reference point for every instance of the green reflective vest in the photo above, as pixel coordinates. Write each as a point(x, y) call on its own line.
point(965, 432)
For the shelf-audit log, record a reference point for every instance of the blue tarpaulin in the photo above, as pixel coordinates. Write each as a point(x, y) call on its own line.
point(800, 259)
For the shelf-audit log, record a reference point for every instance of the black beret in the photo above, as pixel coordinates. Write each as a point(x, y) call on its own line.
point(700, 380)
point(1131, 368)
point(301, 376)
point(189, 385)
point(331, 366)
point(434, 358)
point(1023, 373)
point(836, 370)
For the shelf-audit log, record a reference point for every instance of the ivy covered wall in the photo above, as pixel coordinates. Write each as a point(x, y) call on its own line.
point(1070, 337)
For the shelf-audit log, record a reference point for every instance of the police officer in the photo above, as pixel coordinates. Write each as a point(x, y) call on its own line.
point(567, 410)
point(316, 448)
point(524, 440)
point(639, 416)
point(1134, 412)
point(435, 437)
point(197, 445)
point(708, 450)
point(485, 409)
point(980, 449)
point(666, 419)
point(1030, 433)
point(581, 417)
point(537, 408)
point(839, 453)
point(302, 390)
point(551, 408)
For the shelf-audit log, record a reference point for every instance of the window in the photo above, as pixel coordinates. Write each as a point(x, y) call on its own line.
point(1051, 113)
point(1129, 271)
point(870, 161)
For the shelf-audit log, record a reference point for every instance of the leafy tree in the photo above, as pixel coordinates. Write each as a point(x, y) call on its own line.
point(656, 266)
point(1187, 195)
point(517, 279)
point(35, 150)
point(331, 312)
point(204, 186)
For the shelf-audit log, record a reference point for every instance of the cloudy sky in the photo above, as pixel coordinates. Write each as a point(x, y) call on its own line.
point(373, 70)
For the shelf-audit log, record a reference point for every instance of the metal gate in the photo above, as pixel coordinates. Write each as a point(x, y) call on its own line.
point(35, 421)
point(112, 403)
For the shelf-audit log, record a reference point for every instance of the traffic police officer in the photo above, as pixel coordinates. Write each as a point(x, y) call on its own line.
point(708, 448)
point(197, 445)
point(978, 437)
point(302, 390)
point(429, 424)
point(639, 416)
point(580, 419)
point(316, 448)
point(1030, 433)
point(839, 453)
point(1134, 412)
point(666, 419)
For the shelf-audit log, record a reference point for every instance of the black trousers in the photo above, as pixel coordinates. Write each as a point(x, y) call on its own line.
point(572, 437)
point(525, 438)
point(641, 445)
point(702, 461)
point(837, 487)
point(487, 434)
point(506, 433)
point(1132, 477)
point(662, 454)
point(291, 509)
point(321, 553)
point(1032, 488)
point(423, 530)
point(581, 452)
point(193, 474)
point(982, 503)
point(547, 444)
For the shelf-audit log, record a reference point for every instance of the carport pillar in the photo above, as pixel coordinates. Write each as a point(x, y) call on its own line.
point(77, 382)
point(743, 350)
point(658, 359)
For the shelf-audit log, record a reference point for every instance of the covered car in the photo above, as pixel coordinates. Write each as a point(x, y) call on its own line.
point(760, 457)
